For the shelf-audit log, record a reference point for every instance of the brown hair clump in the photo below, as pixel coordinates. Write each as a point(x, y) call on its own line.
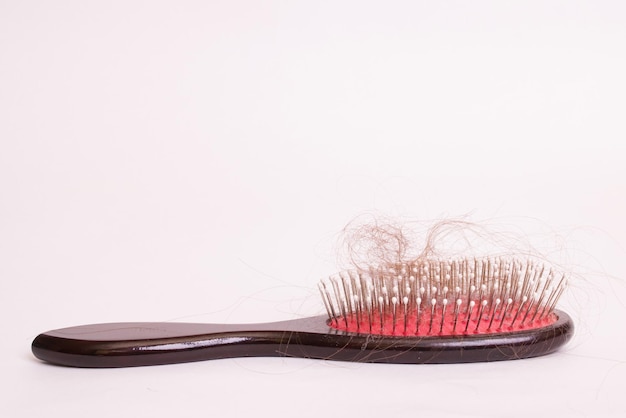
point(372, 241)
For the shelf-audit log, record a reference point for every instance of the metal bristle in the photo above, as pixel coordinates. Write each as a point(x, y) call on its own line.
point(485, 295)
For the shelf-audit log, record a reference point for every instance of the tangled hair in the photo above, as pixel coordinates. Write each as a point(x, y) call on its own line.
point(372, 240)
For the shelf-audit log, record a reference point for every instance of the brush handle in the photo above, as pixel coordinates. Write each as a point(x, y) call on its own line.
point(153, 343)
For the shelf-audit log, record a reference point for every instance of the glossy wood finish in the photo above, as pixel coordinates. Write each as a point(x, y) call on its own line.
point(143, 344)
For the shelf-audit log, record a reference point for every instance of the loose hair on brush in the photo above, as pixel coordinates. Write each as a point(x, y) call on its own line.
point(376, 240)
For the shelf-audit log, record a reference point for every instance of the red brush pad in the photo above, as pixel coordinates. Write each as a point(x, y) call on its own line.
point(362, 325)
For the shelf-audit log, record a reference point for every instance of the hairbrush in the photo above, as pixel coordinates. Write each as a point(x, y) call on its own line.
point(427, 311)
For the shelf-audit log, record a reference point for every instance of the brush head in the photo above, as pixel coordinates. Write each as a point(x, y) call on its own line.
point(438, 298)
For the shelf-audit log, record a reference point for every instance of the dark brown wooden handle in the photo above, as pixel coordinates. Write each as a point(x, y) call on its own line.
point(143, 344)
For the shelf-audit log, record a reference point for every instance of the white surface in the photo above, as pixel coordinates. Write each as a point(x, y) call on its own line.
point(196, 160)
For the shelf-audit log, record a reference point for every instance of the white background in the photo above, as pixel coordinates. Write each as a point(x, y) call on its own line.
point(195, 161)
